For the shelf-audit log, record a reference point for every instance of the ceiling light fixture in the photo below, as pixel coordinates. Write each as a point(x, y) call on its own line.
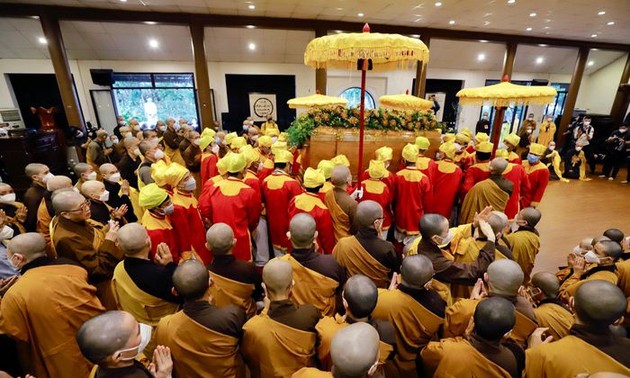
point(339, 9)
point(35, 17)
point(251, 46)
point(533, 14)
point(451, 22)
point(150, 22)
point(153, 43)
point(528, 29)
point(438, 4)
point(415, 35)
point(593, 35)
point(123, 1)
point(42, 40)
point(601, 13)
point(511, 1)
point(251, 6)
point(338, 31)
point(542, 45)
point(250, 26)
point(591, 63)
point(481, 57)
point(539, 60)
point(360, 14)
point(483, 40)
point(610, 23)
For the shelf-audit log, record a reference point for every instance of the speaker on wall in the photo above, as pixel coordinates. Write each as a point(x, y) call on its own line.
point(540, 82)
point(102, 77)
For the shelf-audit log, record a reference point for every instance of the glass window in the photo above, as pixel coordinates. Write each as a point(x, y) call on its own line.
point(128, 80)
point(353, 95)
point(174, 80)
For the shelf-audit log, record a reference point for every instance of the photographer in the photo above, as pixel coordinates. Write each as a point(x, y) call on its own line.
point(617, 145)
point(582, 135)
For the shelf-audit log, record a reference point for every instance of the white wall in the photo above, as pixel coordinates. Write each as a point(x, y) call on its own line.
point(598, 90)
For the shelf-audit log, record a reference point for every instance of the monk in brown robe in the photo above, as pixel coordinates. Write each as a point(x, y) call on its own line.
point(494, 191)
point(415, 310)
point(45, 307)
point(550, 312)
point(366, 253)
point(114, 341)
point(15, 211)
point(504, 278)
point(525, 241)
point(485, 355)
point(319, 279)
point(46, 212)
point(342, 207)
point(281, 340)
point(203, 338)
point(75, 237)
point(39, 175)
point(234, 281)
point(591, 346)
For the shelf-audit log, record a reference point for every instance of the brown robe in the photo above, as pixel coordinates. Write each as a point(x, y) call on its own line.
point(350, 254)
point(342, 221)
point(484, 193)
point(555, 317)
point(229, 292)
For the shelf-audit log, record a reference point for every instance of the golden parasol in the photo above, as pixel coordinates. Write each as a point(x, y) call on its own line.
point(405, 102)
point(316, 100)
point(365, 51)
point(503, 95)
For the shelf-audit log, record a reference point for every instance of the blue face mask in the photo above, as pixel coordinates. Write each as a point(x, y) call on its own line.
point(533, 159)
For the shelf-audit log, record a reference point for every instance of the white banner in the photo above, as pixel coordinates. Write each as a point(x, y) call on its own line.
point(261, 105)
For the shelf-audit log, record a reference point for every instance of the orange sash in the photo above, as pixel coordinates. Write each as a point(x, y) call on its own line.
point(312, 287)
point(350, 254)
point(226, 292)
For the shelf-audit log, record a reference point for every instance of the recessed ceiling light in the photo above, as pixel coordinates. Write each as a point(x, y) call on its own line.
point(150, 22)
point(542, 45)
point(539, 60)
point(251, 46)
point(360, 14)
point(123, 1)
point(601, 13)
point(528, 29)
point(594, 49)
point(339, 9)
point(153, 43)
point(593, 35)
point(251, 6)
point(611, 23)
point(338, 31)
point(35, 17)
point(415, 35)
point(481, 57)
point(547, 27)
point(451, 22)
point(483, 40)
point(486, 23)
point(511, 1)
point(591, 63)
point(438, 4)
point(42, 40)
point(533, 14)
point(250, 26)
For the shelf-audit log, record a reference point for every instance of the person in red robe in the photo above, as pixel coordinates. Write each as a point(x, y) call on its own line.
point(425, 164)
point(264, 149)
point(511, 143)
point(384, 154)
point(204, 197)
point(209, 155)
point(376, 189)
point(310, 203)
point(516, 174)
point(252, 159)
point(278, 190)
point(448, 182)
point(480, 170)
point(538, 176)
point(326, 167)
point(412, 190)
point(236, 204)
point(261, 238)
point(462, 157)
point(157, 219)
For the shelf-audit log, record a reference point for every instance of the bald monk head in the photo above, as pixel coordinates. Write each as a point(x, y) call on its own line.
point(548, 284)
point(340, 176)
point(134, 241)
point(71, 205)
point(112, 339)
point(93, 190)
point(498, 221)
point(109, 172)
point(355, 351)
point(369, 213)
point(598, 304)
point(601, 374)
point(302, 231)
point(494, 317)
point(24, 248)
point(359, 297)
point(608, 252)
point(497, 166)
point(434, 227)
point(58, 182)
point(504, 277)
point(220, 239)
point(83, 171)
point(528, 217)
point(191, 280)
point(617, 236)
point(277, 279)
point(597, 239)
point(416, 271)
point(584, 246)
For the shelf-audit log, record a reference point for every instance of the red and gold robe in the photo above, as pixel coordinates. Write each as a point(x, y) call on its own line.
point(311, 204)
point(278, 190)
point(517, 175)
point(514, 158)
point(474, 174)
point(428, 167)
point(208, 166)
point(267, 168)
point(464, 160)
point(188, 226)
point(253, 182)
point(160, 230)
point(412, 191)
point(538, 176)
point(448, 181)
point(204, 197)
point(389, 179)
point(378, 191)
point(324, 189)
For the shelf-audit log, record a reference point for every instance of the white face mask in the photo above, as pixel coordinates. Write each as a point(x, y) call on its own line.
point(136, 128)
point(591, 257)
point(245, 127)
point(9, 197)
point(104, 197)
point(215, 149)
point(115, 177)
point(251, 122)
point(578, 251)
point(176, 126)
point(549, 120)
point(145, 337)
point(274, 139)
point(6, 233)
point(551, 148)
point(47, 177)
point(190, 185)
point(137, 152)
point(169, 209)
point(197, 142)
point(158, 154)
point(446, 239)
point(162, 128)
point(114, 140)
point(254, 138)
point(578, 149)
point(91, 176)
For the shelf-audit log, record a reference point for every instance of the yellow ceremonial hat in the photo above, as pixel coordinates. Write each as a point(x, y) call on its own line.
point(151, 196)
point(485, 147)
point(235, 162)
point(537, 149)
point(251, 155)
point(481, 137)
point(158, 173)
point(313, 178)
point(377, 169)
point(449, 150)
point(174, 174)
point(205, 140)
point(283, 156)
point(265, 141)
point(422, 143)
point(501, 153)
point(410, 152)
point(462, 138)
point(238, 142)
point(208, 131)
point(222, 166)
point(283, 136)
point(278, 146)
point(512, 139)
point(228, 138)
point(340, 159)
point(326, 166)
point(384, 153)
point(466, 131)
point(272, 132)
point(448, 137)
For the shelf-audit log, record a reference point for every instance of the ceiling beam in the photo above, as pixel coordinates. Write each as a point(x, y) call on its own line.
point(215, 20)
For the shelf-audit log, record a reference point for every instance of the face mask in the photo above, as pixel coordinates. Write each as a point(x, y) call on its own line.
point(9, 197)
point(446, 240)
point(578, 251)
point(162, 128)
point(169, 209)
point(254, 138)
point(158, 154)
point(551, 148)
point(197, 142)
point(104, 197)
point(6, 233)
point(190, 185)
point(586, 123)
point(176, 127)
point(578, 149)
point(215, 149)
point(115, 177)
point(623, 130)
point(46, 177)
point(115, 140)
point(529, 131)
point(549, 120)
point(245, 127)
point(591, 257)
point(91, 176)
point(154, 142)
point(533, 159)
point(503, 146)
point(136, 128)
point(274, 139)
point(484, 117)
point(251, 122)
point(137, 152)
point(458, 146)
point(122, 123)
point(145, 337)
point(530, 118)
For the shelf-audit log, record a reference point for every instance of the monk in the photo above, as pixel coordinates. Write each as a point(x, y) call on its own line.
point(45, 308)
point(481, 169)
point(511, 142)
point(494, 191)
point(46, 212)
point(504, 278)
point(359, 299)
point(591, 346)
point(525, 241)
point(14, 210)
point(485, 354)
point(39, 175)
point(341, 205)
point(537, 174)
point(114, 340)
point(447, 183)
point(100, 210)
point(234, 281)
point(319, 278)
point(172, 139)
point(203, 338)
point(119, 191)
point(157, 219)
point(278, 189)
point(281, 340)
point(310, 203)
point(550, 312)
point(152, 154)
point(366, 253)
point(376, 188)
point(415, 310)
point(84, 172)
point(425, 164)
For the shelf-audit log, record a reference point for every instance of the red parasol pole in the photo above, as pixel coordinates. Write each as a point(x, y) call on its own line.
point(364, 67)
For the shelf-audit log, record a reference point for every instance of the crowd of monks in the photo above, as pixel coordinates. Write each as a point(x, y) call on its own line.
point(228, 258)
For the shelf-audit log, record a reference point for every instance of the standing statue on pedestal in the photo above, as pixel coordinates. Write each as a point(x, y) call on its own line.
point(46, 118)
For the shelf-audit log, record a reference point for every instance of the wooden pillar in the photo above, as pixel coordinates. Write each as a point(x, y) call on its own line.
point(574, 88)
point(321, 74)
point(420, 88)
point(201, 74)
point(508, 60)
point(57, 51)
point(618, 110)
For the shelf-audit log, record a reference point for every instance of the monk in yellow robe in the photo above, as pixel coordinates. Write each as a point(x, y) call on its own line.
point(15, 211)
point(203, 339)
point(525, 241)
point(494, 191)
point(415, 310)
point(45, 307)
point(281, 340)
point(550, 312)
point(591, 346)
point(342, 207)
point(485, 356)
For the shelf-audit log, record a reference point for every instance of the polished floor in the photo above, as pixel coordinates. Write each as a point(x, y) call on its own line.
point(575, 210)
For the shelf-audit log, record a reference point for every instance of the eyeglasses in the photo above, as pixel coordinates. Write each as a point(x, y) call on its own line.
point(84, 206)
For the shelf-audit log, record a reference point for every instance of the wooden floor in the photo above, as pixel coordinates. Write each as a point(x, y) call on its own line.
point(575, 210)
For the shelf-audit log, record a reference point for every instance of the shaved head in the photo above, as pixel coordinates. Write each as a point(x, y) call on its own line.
point(599, 303)
point(133, 239)
point(416, 271)
point(34, 169)
point(340, 175)
point(58, 182)
point(497, 221)
point(432, 224)
point(107, 168)
point(130, 142)
point(498, 166)
point(220, 239)
point(361, 294)
point(31, 245)
point(105, 334)
point(597, 239)
point(277, 276)
point(191, 280)
point(505, 277)
point(67, 201)
point(354, 350)
point(81, 168)
point(302, 228)
point(614, 234)
point(92, 188)
point(531, 216)
point(494, 317)
point(368, 212)
point(586, 244)
point(609, 248)
point(548, 283)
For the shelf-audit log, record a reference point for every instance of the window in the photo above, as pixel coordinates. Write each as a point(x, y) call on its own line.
point(353, 95)
point(149, 97)
point(557, 105)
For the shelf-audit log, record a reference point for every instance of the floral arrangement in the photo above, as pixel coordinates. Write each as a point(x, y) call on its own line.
point(348, 118)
